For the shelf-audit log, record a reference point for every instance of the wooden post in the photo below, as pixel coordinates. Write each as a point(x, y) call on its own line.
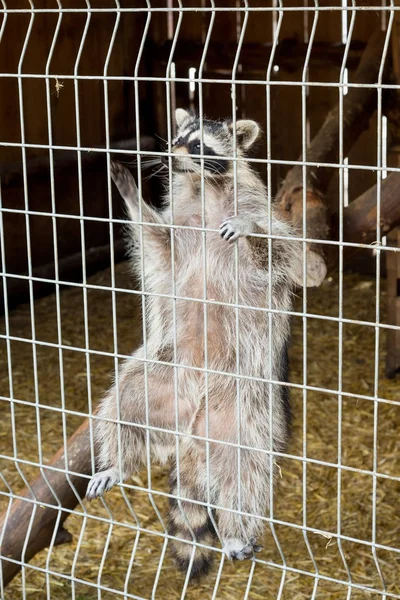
point(393, 305)
point(393, 239)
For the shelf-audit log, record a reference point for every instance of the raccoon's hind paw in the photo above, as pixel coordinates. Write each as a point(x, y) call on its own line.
point(235, 550)
point(233, 228)
point(102, 482)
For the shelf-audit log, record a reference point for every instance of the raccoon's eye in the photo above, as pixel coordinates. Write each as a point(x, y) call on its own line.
point(196, 147)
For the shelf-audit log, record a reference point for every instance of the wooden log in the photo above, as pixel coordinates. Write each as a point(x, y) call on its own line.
point(359, 227)
point(291, 205)
point(15, 527)
point(358, 106)
point(360, 216)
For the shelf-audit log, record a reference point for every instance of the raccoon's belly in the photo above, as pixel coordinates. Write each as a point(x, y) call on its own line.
point(206, 332)
point(200, 337)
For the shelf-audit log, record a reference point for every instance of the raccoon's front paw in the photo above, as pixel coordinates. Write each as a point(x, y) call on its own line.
point(235, 550)
point(234, 227)
point(102, 482)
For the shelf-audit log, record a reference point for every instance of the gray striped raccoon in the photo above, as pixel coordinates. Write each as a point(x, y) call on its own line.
point(206, 403)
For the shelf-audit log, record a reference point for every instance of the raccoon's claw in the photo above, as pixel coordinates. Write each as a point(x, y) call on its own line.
point(256, 547)
point(235, 550)
point(233, 228)
point(102, 482)
point(228, 231)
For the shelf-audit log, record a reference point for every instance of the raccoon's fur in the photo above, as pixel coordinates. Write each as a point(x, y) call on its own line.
point(253, 343)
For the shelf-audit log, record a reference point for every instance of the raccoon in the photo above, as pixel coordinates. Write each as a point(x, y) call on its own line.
point(219, 396)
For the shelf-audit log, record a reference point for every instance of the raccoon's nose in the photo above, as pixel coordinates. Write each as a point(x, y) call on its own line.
point(164, 160)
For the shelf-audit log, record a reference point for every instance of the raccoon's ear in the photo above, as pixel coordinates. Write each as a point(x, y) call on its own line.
point(246, 132)
point(181, 115)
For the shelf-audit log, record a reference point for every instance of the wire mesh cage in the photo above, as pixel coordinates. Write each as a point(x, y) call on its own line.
point(85, 84)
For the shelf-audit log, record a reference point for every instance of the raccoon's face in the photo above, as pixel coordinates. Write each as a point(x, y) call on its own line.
point(217, 144)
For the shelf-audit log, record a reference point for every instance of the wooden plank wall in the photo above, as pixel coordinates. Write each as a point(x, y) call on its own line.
point(286, 117)
point(63, 109)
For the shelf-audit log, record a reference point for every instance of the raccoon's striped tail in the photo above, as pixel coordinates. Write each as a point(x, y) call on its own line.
point(181, 515)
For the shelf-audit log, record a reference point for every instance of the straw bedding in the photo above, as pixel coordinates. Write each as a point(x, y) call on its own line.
point(315, 432)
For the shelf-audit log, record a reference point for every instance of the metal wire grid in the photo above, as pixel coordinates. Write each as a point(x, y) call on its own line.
point(311, 15)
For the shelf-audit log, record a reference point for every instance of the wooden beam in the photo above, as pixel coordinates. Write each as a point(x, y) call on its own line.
point(11, 172)
point(254, 57)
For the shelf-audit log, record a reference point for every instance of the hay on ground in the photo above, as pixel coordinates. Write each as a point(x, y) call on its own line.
point(102, 553)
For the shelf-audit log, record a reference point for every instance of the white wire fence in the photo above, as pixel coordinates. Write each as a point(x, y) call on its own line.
point(376, 583)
